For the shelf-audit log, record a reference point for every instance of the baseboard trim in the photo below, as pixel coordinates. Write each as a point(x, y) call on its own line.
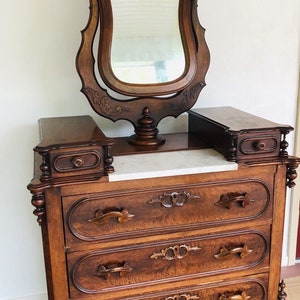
point(285, 261)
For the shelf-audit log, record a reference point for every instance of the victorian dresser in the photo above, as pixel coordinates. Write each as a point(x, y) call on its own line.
point(197, 215)
point(200, 217)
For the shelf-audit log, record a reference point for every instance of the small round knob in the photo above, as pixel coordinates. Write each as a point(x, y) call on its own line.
point(77, 162)
point(259, 145)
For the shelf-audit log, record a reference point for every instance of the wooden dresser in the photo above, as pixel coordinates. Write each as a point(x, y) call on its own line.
point(166, 225)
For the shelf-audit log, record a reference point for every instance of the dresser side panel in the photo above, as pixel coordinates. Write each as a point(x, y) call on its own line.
point(54, 247)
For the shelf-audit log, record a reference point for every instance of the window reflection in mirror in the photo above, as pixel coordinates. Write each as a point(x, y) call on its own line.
point(146, 44)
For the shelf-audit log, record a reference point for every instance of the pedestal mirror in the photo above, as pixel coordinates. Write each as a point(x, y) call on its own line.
point(142, 60)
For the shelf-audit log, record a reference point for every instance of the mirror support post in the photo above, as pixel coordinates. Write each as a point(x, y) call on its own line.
point(150, 102)
point(146, 131)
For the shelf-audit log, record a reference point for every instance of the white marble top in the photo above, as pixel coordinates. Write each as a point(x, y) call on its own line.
point(138, 166)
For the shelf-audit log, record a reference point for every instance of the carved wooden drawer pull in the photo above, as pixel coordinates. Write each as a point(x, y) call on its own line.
point(232, 296)
point(77, 162)
point(259, 145)
point(225, 252)
point(176, 252)
point(106, 271)
point(229, 199)
point(173, 199)
point(102, 218)
point(182, 297)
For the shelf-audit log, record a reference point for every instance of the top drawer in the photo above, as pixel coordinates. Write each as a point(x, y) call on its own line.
point(146, 212)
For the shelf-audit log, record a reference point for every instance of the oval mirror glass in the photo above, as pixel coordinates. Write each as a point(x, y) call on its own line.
point(146, 41)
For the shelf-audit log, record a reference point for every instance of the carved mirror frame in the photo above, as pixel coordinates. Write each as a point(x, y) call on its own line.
point(148, 106)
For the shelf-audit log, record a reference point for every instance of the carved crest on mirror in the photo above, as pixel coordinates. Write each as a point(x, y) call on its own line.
point(141, 61)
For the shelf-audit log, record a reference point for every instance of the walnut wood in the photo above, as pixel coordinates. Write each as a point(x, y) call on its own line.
point(193, 260)
point(102, 218)
point(235, 296)
point(239, 135)
point(236, 120)
point(226, 252)
point(203, 236)
point(173, 142)
point(215, 235)
point(73, 146)
point(54, 248)
point(151, 216)
point(254, 286)
point(181, 94)
point(65, 132)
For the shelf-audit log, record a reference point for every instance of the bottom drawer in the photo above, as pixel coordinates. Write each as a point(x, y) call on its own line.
point(253, 288)
point(238, 289)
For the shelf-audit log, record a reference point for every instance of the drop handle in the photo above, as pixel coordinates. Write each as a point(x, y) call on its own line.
point(106, 271)
point(227, 200)
point(233, 296)
point(101, 218)
point(226, 252)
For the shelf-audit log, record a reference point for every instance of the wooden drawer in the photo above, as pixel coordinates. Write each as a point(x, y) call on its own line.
point(72, 146)
point(253, 287)
point(259, 144)
point(146, 265)
point(238, 135)
point(139, 213)
point(72, 162)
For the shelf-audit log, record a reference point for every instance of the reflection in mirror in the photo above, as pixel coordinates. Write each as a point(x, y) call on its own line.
point(146, 44)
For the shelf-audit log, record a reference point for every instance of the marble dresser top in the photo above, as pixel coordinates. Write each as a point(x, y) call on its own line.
point(151, 165)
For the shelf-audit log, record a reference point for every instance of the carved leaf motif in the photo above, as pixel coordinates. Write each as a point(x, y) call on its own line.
point(182, 297)
point(175, 252)
point(173, 199)
point(191, 93)
point(104, 103)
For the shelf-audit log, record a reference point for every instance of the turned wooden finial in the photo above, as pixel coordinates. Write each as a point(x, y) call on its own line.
point(146, 131)
point(291, 174)
point(282, 295)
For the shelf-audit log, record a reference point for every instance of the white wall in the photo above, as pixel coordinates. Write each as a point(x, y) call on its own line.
point(254, 48)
